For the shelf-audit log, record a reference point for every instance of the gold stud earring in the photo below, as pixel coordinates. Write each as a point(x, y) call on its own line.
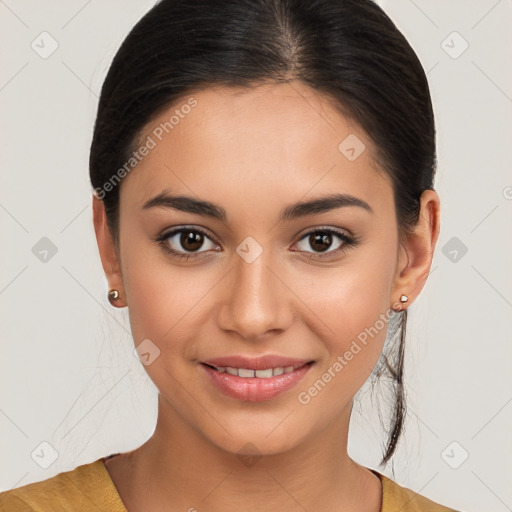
point(404, 299)
point(113, 295)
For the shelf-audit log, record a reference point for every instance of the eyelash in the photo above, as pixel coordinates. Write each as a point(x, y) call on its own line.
point(348, 241)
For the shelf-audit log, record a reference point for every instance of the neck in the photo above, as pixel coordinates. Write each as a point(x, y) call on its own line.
point(180, 469)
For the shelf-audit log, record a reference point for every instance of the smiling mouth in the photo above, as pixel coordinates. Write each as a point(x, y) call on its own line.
point(258, 374)
point(255, 384)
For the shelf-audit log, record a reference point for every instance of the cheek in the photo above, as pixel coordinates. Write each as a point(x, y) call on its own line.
point(359, 320)
point(351, 296)
point(352, 311)
point(164, 299)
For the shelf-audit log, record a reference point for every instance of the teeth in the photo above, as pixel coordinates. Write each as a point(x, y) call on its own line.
point(264, 374)
point(261, 374)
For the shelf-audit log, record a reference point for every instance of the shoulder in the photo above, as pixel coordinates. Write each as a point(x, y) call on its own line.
point(395, 497)
point(87, 487)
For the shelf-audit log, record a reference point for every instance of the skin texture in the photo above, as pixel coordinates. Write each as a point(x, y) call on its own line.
point(254, 152)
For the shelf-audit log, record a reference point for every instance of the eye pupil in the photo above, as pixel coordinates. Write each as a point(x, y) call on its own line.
point(191, 237)
point(323, 240)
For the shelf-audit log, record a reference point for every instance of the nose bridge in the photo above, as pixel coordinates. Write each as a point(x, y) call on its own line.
point(254, 302)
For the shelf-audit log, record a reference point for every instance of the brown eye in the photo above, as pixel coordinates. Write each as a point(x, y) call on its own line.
point(185, 242)
point(328, 241)
point(191, 240)
point(320, 242)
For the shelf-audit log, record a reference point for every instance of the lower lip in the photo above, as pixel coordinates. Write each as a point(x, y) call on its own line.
point(254, 389)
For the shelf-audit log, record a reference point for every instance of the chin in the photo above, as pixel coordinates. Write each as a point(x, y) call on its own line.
point(257, 442)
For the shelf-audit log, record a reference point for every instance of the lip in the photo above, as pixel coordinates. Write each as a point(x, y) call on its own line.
point(255, 389)
point(256, 363)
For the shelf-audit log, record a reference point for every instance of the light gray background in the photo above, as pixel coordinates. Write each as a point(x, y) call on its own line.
point(68, 374)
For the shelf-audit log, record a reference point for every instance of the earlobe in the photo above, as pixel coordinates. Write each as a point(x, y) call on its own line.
point(107, 250)
point(417, 252)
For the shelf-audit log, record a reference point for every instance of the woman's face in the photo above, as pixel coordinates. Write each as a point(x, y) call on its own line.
point(257, 283)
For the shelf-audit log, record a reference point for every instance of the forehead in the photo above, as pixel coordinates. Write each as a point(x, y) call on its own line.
point(275, 139)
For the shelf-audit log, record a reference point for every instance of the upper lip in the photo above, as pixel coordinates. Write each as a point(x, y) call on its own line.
point(256, 363)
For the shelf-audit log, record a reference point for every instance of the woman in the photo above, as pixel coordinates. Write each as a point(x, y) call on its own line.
point(264, 206)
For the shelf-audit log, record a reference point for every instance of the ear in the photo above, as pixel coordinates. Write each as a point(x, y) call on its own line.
point(108, 251)
point(417, 250)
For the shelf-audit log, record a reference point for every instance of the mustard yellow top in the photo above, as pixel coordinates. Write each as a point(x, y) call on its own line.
point(90, 488)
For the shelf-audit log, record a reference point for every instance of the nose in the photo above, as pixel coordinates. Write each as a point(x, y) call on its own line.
point(255, 300)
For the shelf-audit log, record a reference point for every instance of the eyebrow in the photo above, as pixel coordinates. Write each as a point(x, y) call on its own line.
point(291, 212)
